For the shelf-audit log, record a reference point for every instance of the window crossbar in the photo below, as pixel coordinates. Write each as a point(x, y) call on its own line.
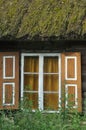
point(30, 91)
point(49, 92)
point(41, 73)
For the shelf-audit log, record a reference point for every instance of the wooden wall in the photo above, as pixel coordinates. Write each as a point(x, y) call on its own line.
point(83, 63)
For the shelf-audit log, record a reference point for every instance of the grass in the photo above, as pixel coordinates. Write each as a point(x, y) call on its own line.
point(28, 120)
point(25, 119)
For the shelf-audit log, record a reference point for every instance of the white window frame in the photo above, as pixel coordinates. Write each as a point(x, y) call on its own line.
point(40, 89)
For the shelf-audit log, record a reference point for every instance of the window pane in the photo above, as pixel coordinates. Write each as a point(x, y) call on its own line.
point(51, 82)
point(31, 64)
point(31, 100)
point(51, 101)
point(51, 64)
point(31, 82)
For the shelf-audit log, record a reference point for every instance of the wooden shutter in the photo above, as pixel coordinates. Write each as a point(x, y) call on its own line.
point(71, 78)
point(9, 80)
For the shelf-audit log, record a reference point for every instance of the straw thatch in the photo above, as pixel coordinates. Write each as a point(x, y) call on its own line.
point(62, 19)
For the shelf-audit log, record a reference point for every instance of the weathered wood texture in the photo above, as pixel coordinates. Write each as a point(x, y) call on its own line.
point(72, 78)
point(83, 64)
point(82, 49)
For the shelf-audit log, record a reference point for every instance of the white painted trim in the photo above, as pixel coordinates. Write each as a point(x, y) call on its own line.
point(43, 54)
point(66, 66)
point(40, 87)
point(22, 77)
point(13, 94)
point(30, 73)
point(30, 91)
point(59, 64)
point(49, 92)
point(4, 68)
point(76, 94)
point(38, 73)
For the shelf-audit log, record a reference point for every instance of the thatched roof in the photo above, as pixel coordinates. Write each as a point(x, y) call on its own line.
point(61, 19)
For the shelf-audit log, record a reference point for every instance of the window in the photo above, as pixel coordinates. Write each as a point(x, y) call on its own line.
point(46, 79)
point(45, 76)
point(41, 80)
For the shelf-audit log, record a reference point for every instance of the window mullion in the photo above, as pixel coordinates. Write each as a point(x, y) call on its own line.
point(59, 63)
point(22, 76)
point(40, 82)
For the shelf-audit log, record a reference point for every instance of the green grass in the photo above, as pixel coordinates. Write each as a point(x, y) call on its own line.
point(25, 119)
point(28, 120)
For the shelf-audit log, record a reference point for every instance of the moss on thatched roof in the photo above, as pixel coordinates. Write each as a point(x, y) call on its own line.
point(44, 18)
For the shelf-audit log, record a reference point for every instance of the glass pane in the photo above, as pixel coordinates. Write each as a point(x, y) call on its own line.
point(51, 82)
point(31, 64)
point(51, 101)
point(51, 64)
point(31, 82)
point(31, 100)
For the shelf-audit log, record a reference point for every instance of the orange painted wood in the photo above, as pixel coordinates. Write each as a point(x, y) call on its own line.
point(70, 68)
point(9, 66)
point(9, 73)
point(8, 94)
point(71, 74)
point(71, 98)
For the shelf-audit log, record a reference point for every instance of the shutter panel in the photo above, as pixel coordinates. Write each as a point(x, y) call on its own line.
point(71, 79)
point(9, 80)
